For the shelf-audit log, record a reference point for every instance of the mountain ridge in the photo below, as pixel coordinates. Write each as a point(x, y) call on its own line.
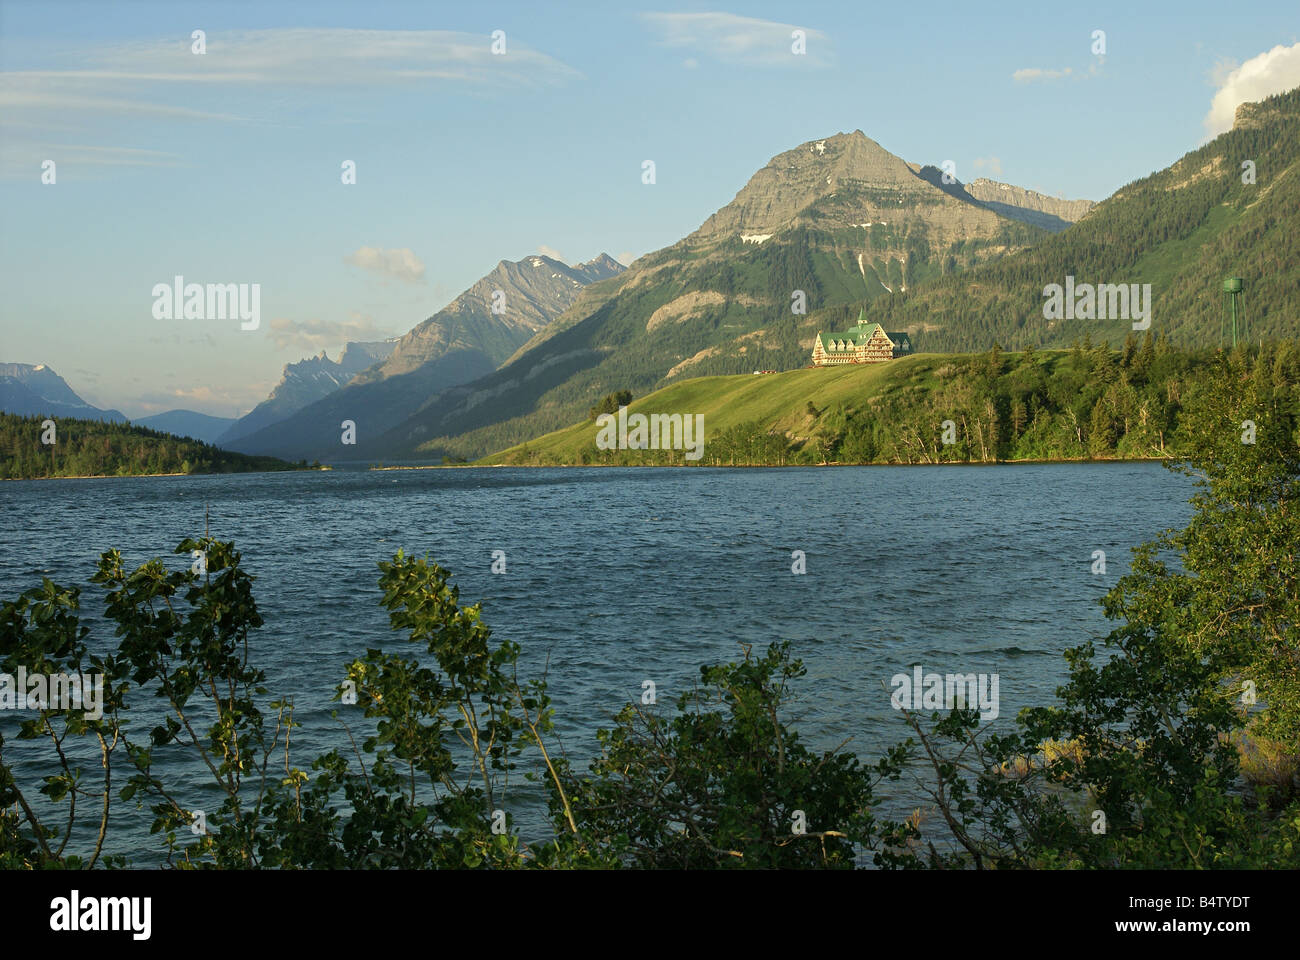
point(30, 389)
point(467, 339)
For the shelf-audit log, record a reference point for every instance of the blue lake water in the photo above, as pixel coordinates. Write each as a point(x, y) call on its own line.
point(616, 576)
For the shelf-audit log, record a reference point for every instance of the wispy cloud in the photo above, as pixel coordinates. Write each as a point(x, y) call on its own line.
point(993, 164)
point(317, 57)
point(1274, 71)
point(551, 252)
point(739, 40)
point(1030, 74)
point(316, 334)
point(163, 81)
point(202, 399)
point(400, 264)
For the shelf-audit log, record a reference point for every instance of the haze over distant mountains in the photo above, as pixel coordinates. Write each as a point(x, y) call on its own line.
point(36, 390)
point(187, 423)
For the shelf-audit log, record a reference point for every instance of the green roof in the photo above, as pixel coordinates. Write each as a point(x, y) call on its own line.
point(862, 330)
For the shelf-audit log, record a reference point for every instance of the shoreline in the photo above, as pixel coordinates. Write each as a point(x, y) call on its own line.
point(767, 466)
point(615, 466)
point(146, 476)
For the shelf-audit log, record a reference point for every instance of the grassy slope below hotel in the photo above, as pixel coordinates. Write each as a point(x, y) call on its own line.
point(1084, 403)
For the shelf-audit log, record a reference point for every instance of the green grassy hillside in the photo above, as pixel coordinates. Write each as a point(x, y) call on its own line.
point(1089, 402)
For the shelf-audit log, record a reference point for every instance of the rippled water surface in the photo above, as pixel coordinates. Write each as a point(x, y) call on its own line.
point(616, 576)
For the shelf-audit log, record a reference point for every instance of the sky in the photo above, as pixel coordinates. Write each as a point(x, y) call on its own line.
point(226, 166)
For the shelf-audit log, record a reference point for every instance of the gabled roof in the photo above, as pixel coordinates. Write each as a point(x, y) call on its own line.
point(861, 332)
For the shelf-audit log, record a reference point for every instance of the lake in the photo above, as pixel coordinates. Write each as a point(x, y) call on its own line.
point(616, 576)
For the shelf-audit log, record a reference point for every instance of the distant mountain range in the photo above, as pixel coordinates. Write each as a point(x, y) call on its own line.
point(467, 339)
point(34, 389)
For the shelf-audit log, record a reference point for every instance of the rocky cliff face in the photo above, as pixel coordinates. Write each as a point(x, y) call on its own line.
point(1029, 206)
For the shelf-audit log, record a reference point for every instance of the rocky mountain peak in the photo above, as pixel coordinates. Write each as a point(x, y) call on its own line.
point(796, 180)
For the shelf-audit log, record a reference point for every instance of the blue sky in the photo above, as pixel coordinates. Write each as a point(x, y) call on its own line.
point(225, 167)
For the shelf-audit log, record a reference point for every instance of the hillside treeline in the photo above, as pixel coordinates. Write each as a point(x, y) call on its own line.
point(93, 448)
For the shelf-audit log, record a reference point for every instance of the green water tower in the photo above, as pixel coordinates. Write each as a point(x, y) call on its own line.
point(1232, 287)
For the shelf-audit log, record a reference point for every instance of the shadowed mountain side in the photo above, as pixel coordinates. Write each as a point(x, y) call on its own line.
point(305, 382)
point(316, 431)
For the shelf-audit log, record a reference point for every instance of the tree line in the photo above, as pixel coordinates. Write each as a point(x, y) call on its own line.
point(97, 448)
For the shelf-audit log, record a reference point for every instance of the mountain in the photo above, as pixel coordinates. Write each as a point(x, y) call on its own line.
point(822, 228)
point(28, 390)
point(304, 383)
point(187, 423)
point(465, 340)
point(1226, 209)
point(533, 292)
point(1050, 213)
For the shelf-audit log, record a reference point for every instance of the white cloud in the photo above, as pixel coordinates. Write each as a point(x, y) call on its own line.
point(1275, 71)
point(1033, 73)
point(625, 258)
point(740, 40)
point(311, 336)
point(551, 252)
point(993, 164)
point(1221, 70)
point(400, 264)
point(20, 158)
